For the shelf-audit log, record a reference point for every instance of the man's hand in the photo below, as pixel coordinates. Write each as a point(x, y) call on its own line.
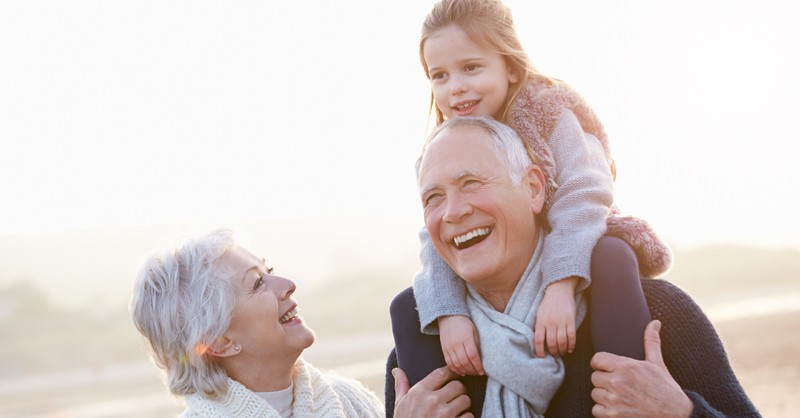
point(460, 344)
point(437, 395)
point(555, 318)
point(633, 388)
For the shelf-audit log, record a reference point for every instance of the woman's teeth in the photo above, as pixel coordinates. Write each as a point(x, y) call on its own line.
point(288, 316)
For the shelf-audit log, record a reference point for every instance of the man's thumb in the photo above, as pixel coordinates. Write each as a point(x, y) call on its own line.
point(652, 343)
point(401, 385)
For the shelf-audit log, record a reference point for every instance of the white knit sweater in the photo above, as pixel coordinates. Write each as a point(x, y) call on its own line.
point(315, 395)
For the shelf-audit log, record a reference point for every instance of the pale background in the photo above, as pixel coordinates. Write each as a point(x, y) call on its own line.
point(127, 125)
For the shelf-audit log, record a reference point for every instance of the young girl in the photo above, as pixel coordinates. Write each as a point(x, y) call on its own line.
point(471, 53)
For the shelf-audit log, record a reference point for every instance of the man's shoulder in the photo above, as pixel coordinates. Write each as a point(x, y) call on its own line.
point(669, 302)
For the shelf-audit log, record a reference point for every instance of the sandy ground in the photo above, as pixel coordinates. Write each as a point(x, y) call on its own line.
point(763, 352)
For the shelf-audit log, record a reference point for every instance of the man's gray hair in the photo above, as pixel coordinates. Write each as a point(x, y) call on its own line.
point(183, 305)
point(506, 144)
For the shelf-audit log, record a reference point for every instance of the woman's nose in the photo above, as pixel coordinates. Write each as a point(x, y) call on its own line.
point(284, 287)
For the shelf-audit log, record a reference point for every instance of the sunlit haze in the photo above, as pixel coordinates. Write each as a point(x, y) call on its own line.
point(306, 118)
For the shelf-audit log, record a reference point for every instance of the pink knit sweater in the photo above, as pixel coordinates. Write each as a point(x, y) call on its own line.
point(534, 114)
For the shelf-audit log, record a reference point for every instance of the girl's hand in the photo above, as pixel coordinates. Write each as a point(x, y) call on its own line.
point(460, 344)
point(555, 318)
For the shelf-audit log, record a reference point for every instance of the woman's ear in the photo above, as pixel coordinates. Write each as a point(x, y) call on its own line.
point(534, 179)
point(224, 347)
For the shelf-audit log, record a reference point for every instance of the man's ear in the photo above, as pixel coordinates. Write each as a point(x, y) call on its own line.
point(534, 179)
point(224, 347)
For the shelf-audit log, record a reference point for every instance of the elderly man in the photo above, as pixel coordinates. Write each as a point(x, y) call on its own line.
point(471, 182)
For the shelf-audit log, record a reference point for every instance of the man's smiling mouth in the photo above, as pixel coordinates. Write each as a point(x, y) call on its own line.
point(471, 238)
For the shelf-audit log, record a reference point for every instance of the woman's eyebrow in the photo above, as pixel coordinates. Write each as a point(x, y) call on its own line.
point(247, 272)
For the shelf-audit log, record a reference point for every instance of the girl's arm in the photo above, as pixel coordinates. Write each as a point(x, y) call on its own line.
point(441, 302)
point(577, 214)
point(438, 290)
point(580, 205)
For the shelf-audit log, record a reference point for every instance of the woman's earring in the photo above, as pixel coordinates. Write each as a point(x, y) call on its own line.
point(238, 348)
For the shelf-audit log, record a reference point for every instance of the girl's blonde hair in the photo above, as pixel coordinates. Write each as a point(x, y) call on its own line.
point(486, 22)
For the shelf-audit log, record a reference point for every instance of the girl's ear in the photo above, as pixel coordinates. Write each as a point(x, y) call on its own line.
point(513, 76)
point(224, 348)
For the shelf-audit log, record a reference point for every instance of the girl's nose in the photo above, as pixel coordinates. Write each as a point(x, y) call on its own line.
point(457, 86)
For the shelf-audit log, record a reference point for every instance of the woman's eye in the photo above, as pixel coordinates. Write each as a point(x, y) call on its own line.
point(270, 270)
point(259, 282)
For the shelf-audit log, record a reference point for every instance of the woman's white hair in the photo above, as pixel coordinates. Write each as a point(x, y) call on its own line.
point(506, 144)
point(183, 305)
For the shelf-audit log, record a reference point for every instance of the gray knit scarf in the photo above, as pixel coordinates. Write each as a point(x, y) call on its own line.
point(519, 383)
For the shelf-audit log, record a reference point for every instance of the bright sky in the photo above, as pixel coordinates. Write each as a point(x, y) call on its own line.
point(118, 113)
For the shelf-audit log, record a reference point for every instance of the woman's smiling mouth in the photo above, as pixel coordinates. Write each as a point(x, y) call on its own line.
point(288, 316)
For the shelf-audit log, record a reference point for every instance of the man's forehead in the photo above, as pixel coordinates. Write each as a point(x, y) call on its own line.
point(454, 159)
point(456, 141)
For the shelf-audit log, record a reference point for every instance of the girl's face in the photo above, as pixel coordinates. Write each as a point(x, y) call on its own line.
point(467, 79)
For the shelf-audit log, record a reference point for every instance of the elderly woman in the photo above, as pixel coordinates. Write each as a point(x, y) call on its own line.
point(228, 335)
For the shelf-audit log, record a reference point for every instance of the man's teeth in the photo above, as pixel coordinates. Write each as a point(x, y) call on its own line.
point(288, 316)
point(470, 235)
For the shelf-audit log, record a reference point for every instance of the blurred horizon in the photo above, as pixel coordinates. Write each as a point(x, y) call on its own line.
point(128, 126)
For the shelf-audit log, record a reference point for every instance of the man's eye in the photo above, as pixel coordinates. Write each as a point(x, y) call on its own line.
point(471, 184)
point(433, 199)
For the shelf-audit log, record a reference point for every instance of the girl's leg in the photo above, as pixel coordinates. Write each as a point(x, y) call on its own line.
point(418, 354)
point(619, 311)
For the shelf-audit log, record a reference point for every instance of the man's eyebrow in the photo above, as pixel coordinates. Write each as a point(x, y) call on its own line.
point(427, 189)
point(456, 178)
point(468, 173)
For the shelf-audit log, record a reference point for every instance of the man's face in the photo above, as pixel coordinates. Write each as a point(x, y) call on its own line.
point(480, 223)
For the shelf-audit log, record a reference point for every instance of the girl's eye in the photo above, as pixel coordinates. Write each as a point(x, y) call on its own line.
point(470, 67)
point(438, 76)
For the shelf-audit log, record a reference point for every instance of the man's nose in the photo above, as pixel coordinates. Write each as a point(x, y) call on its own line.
point(456, 208)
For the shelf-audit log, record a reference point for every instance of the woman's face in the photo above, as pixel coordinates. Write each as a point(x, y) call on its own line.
point(467, 79)
point(265, 322)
